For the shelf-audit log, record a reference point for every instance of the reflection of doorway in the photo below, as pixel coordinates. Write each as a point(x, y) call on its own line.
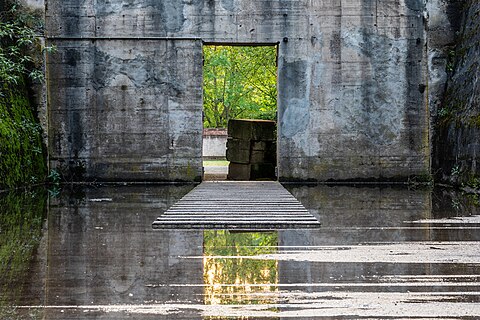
point(230, 276)
point(239, 82)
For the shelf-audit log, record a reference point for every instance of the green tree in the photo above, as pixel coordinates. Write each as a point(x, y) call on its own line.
point(239, 82)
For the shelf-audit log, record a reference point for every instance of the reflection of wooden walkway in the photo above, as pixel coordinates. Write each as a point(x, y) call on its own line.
point(237, 205)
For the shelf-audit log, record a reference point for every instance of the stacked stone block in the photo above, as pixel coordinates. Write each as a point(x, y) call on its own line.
point(251, 149)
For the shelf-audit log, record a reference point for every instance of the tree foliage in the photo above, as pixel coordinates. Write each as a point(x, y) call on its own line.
point(20, 46)
point(239, 82)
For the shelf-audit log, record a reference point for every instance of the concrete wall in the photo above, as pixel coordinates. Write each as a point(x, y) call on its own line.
point(444, 20)
point(123, 110)
point(34, 4)
point(214, 143)
point(126, 102)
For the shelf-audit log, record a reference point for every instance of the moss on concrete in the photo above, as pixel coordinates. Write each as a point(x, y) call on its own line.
point(22, 160)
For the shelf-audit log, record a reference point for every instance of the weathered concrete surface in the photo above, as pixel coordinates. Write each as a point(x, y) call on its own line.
point(457, 141)
point(123, 110)
point(443, 27)
point(351, 82)
point(34, 4)
point(214, 143)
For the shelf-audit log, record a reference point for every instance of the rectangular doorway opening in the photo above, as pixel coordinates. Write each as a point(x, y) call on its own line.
point(240, 112)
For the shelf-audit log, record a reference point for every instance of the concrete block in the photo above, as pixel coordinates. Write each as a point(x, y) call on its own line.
point(238, 156)
point(257, 157)
point(264, 152)
point(238, 144)
point(271, 152)
point(251, 129)
point(257, 171)
point(262, 171)
point(259, 145)
point(238, 171)
point(238, 151)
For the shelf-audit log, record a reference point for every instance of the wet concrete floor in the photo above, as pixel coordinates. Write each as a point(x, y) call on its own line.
point(381, 253)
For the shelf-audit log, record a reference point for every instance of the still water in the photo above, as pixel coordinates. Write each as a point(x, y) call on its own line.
point(91, 253)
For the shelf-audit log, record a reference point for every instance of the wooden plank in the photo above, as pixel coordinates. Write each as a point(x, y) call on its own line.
point(237, 205)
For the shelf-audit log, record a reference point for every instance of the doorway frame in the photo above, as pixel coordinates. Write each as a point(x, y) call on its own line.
point(275, 44)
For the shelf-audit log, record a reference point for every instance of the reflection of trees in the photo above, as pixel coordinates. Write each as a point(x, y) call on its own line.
point(21, 222)
point(230, 279)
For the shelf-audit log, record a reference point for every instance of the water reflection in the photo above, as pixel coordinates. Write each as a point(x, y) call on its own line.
point(94, 255)
point(231, 280)
point(21, 222)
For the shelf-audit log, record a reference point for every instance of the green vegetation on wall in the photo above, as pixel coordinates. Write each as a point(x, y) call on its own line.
point(239, 82)
point(22, 158)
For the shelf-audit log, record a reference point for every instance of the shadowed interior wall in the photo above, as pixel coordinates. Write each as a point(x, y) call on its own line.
point(126, 95)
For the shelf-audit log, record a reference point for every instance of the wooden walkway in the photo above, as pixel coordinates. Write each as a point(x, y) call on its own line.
point(237, 205)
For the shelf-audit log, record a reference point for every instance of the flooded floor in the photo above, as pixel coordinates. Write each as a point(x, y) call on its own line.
point(380, 253)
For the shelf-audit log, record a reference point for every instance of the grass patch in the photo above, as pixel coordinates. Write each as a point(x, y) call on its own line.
point(215, 163)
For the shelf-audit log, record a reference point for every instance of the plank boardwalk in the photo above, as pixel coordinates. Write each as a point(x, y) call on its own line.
point(237, 205)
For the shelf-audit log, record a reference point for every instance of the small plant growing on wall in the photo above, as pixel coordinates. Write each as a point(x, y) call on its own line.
point(21, 50)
